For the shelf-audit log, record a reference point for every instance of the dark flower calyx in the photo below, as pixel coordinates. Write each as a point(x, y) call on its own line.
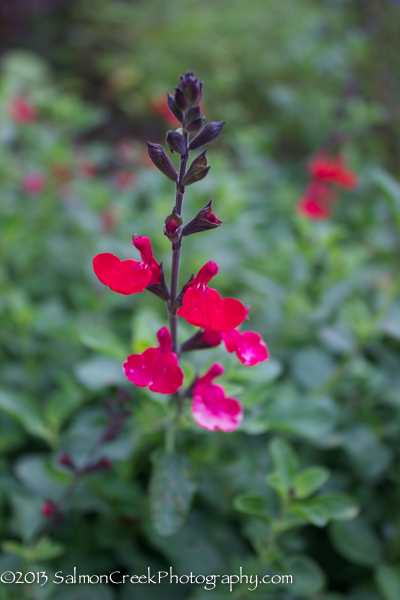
point(209, 133)
point(172, 226)
point(191, 87)
point(176, 142)
point(174, 108)
point(197, 171)
point(203, 221)
point(160, 289)
point(161, 160)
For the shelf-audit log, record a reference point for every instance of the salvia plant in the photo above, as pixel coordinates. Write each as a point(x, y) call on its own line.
point(217, 318)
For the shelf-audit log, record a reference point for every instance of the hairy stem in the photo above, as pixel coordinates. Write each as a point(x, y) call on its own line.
point(176, 250)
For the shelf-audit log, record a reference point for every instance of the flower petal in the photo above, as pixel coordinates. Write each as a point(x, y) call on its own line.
point(212, 410)
point(167, 375)
point(125, 277)
point(206, 308)
point(139, 368)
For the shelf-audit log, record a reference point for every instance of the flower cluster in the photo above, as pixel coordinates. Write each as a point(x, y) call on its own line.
point(326, 170)
point(216, 318)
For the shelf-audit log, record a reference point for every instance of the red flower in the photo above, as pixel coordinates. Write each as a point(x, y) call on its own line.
point(316, 200)
point(49, 509)
point(33, 183)
point(128, 276)
point(22, 111)
point(332, 169)
point(159, 107)
point(249, 346)
point(211, 409)
point(204, 307)
point(156, 368)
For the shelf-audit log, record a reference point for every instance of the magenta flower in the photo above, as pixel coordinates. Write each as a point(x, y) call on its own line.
point(33, 183)
point(128, 276)
point(249, 346)
point(204, 307)
point(211, 409)
point(332, 169)
point(157, 368)
point(22, 111)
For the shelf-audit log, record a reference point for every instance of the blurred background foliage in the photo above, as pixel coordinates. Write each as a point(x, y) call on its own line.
point(309, 484)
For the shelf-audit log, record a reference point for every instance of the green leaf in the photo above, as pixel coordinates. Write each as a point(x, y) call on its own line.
point(171, 492)
point(312, 511)
point(251, 504)
point(27, 414)
point(356, 541)
point(387, 579)
point(308, 578)
point(100, 372)
point(312, 367)
point(340, 507)
point(104, 341)
point(28, 515)
point(285, 461)
point(44, 549)
point(309, 481)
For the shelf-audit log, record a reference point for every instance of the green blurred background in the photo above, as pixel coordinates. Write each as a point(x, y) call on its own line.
point(309, 485)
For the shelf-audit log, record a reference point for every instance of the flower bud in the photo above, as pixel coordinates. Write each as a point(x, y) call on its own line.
point(103, 464)
point(197, 171)
point(176, 142)
point(161, 160)
point(195, 126)
point(65, 460)
point(202, 340)
point(174, 108)
point(181, 100)
point(49, 509)
point(160, 289)
point(204, 220)
point(191, 87)
point(172, 226)
point(209, 133)
point(192, 115)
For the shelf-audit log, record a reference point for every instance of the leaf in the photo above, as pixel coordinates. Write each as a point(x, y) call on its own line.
point(308, 578)
point(387, 579)
point(340, 507)
point(356, 541)
point(309, 481)
point(250, 504)
point(102, 340)
point(312, 367)
point(171, 492)
point(284, 460)
point(28, 515)
point(390, 324)
point(312, 511)
point(26, 413)
point(44, 549)
point(99, 372)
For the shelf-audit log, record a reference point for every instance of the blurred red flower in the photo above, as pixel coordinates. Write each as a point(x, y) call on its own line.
point(33, 183)
point(22, 111)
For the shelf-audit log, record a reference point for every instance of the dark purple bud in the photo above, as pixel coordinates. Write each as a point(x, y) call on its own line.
point(172, 226)
point(181, 100)
point(203, 221)
point(209, 133)
point(176, 142)
point(195, 125)
point(103, 464)
point(202, 340)
point(197, 171)
point(160, 289)
point(49, 509)
point(193, 114)
point(174, 108)
point(161, 160)
point(191, 87)
point(65, 460)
